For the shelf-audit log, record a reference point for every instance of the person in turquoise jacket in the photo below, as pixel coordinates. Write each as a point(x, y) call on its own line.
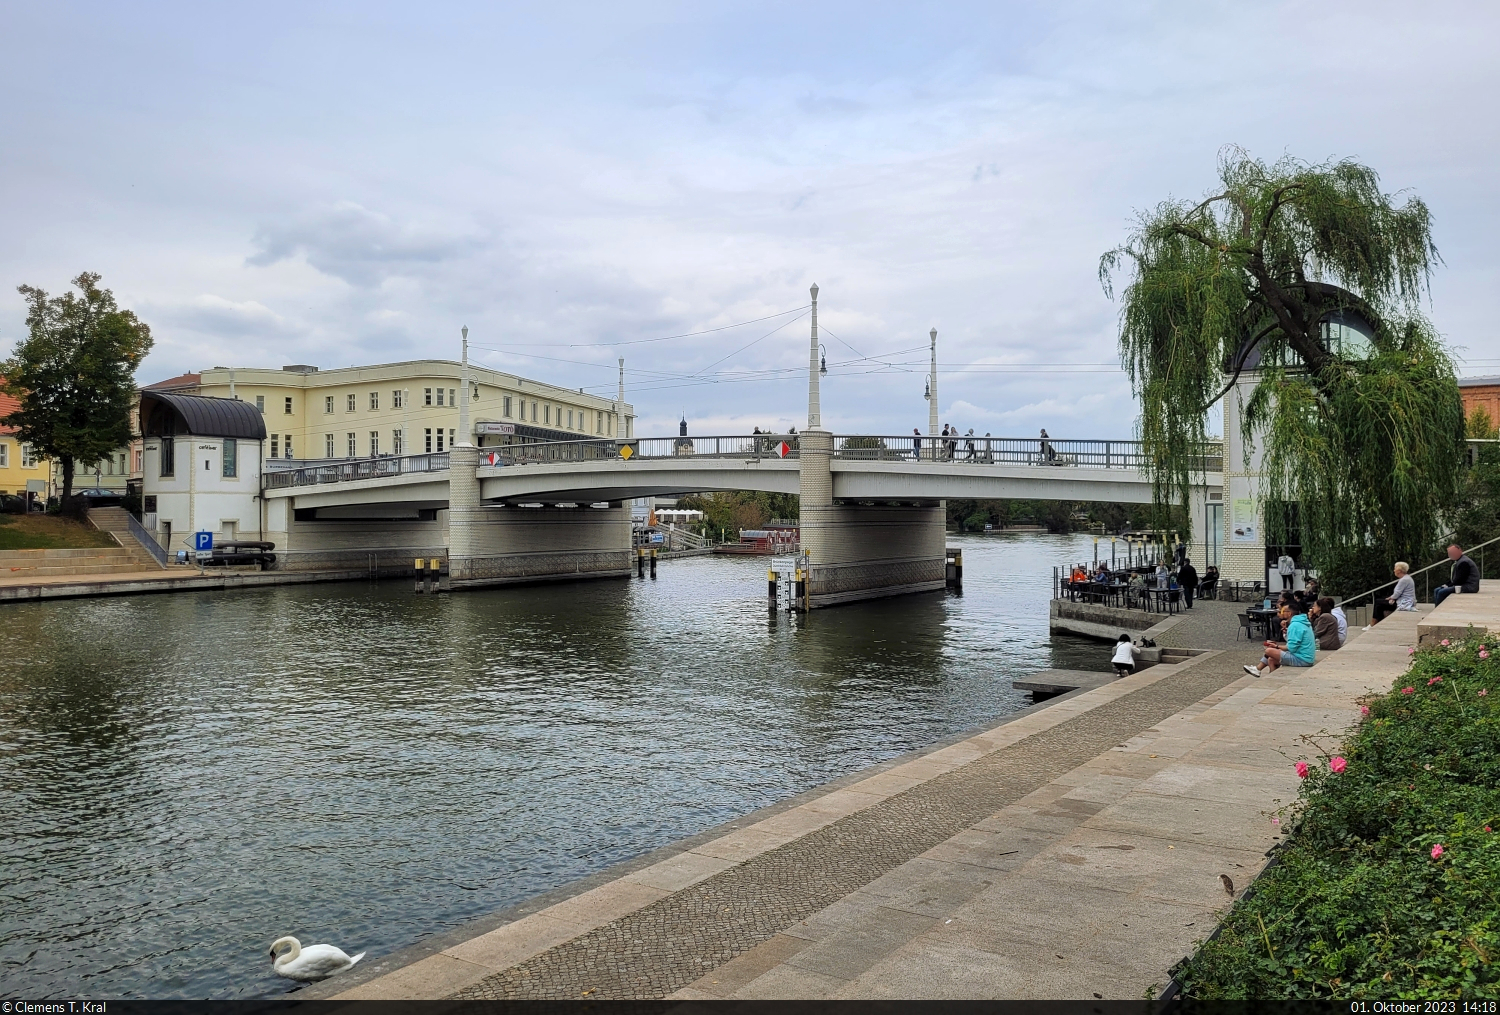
point(1301, 648)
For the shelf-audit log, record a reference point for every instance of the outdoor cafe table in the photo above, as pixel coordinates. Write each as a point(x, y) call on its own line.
point(1265, 618)
point(1166, 600)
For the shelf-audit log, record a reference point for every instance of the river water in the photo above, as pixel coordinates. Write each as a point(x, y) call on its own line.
point(185, 778)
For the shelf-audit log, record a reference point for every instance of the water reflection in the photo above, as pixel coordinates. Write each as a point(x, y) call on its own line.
point(187, 777)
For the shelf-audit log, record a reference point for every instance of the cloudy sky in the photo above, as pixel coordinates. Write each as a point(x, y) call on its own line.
point(349, 183)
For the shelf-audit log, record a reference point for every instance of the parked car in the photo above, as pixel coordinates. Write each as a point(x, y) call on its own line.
point(100, 497)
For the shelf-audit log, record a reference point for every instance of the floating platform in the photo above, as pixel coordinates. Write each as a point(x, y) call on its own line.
point(1050, 683)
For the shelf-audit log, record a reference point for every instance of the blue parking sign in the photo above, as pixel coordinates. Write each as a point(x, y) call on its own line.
point(203, 541)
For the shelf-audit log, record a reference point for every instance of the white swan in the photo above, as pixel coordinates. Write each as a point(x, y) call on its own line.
point(315, 962)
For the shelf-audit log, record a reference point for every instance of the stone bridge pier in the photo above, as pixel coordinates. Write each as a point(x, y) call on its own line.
point(500, 545)
point(864, 551)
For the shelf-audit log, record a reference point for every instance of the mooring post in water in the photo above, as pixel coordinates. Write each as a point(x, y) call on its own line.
point(421, 569)
point(434, 575)
point(799, 590)
point(773, 594)
point(653, 563)
point(640, 562)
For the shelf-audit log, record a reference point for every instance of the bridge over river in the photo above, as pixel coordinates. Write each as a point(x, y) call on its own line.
point(872, 514)
point(872, 506)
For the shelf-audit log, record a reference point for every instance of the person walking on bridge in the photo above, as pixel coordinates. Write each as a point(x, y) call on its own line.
point(1047, 454)
point(916, 444)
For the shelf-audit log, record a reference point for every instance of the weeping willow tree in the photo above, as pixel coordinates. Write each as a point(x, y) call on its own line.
point(1365, 437)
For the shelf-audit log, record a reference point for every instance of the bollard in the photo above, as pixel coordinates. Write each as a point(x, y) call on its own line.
point(434, 575)
point(653, 563)
point(800, 590)
point(958, 569)
point(772, 592)
point(640, 562)
point(421, 569)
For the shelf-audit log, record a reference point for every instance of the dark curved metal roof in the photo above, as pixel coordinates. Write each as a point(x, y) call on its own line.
point(201, 415)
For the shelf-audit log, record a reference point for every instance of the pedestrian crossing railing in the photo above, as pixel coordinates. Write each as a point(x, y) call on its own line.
point(972, 449)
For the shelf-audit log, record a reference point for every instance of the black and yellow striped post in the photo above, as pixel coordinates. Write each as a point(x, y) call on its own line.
point(799, 589)
point(773, 593)
point(421, 569)
point(434, 575)
point(653, 563)
point(640, 562)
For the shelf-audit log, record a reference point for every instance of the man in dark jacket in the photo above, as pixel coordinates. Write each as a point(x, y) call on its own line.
point(1187, 577)
point(1463, 578)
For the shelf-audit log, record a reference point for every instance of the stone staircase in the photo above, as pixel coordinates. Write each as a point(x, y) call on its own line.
point(104, 560)
point(116, 522)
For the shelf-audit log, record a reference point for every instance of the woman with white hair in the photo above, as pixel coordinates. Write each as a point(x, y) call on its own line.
point(1403, 597)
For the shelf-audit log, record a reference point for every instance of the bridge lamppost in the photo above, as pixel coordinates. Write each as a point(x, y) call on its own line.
point(465, 436)
point(932, 396)
point(814, 414)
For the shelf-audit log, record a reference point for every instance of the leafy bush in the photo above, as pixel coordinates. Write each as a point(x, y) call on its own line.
point(1389, 884)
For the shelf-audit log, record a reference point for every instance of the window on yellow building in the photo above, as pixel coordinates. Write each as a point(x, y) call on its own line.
point(374, 443)
point(328, 445)
point(4, 455)
point(426, 396)
point(327, 403)
point(374, 401)
point(505, 407)
point(396, 400)
point(352, 442)
point(398, 442)
point(288, 405)
point(349, 401)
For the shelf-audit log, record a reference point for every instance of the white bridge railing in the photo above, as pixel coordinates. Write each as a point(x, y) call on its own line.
point(915, 449)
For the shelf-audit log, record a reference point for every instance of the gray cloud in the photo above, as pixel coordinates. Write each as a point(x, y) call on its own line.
point(359, 246)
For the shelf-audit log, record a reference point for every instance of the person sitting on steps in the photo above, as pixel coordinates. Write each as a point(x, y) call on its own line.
point(1464, 576)
point(1403, 597)
point(1301, 648)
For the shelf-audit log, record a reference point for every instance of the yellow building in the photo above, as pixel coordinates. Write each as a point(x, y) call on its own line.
point(20, 469)
point(408, 408)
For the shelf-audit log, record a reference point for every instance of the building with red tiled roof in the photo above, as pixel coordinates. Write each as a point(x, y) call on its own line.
point(185, 384)
point(17, 464)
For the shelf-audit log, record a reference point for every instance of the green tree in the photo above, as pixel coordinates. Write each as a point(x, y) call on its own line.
point(74, 375)
point(1477, 519)
point(1366, 440)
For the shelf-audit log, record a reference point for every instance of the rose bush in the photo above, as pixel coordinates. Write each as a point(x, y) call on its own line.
point(1388, 884)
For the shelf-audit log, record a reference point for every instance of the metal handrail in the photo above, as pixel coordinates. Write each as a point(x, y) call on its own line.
point(1347, 600)
point(146, 539)
point(976, 450)
point(348, 470)
point(1084, 454)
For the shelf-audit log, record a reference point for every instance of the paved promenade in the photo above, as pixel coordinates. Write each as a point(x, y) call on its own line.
point(173, 579)
point(1073, 851)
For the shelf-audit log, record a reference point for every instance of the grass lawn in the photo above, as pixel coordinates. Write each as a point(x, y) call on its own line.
point(1389, 884)
point(48, 532)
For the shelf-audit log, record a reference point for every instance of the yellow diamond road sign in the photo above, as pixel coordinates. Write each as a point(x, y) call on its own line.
point(625, 452)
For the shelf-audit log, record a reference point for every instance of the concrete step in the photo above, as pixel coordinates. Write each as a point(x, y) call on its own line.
point(32, 556)
point(116, 522)
point(40, 570)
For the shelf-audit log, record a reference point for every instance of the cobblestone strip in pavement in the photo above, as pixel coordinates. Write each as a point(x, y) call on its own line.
point(672, 942)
